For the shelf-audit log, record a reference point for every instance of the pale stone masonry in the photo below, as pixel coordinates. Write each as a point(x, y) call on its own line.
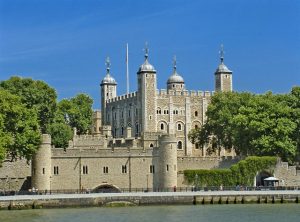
point(139, 140)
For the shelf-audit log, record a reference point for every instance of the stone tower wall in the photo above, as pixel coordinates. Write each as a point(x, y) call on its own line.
point(41, 165)
point(167, 161)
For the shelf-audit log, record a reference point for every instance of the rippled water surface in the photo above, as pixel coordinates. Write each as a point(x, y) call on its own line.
point(207, 213)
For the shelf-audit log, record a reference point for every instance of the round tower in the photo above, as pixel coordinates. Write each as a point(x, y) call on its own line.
point(167, 161)
point(108, 91)
point(41, 165)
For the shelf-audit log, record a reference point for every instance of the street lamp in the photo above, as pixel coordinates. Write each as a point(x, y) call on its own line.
point(196, 182)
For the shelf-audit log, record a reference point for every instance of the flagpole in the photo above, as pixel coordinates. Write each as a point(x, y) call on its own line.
point(127, 69)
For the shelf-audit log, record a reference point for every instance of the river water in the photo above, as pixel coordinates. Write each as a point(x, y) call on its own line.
point(207, 213)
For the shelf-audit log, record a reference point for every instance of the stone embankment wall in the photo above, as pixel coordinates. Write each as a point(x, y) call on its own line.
point(144, 199)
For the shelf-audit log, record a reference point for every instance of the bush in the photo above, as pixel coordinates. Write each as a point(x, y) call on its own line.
point(243, 172)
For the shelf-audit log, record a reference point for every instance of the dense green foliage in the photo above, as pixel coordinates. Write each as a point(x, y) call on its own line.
point(242, 173)
point(29, 108)
point(71, 113)
point(35, 95)
point(259, 125)
point(19, 128)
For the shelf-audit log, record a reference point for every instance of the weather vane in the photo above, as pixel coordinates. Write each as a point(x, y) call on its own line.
point(107, 63)
point(174, 63)
point(146, 50)
point(222, 53)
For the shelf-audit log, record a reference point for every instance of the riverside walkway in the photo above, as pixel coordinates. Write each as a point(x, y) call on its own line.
point(147, 198)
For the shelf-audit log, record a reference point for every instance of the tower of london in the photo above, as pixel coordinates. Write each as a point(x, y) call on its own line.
point(138, 140)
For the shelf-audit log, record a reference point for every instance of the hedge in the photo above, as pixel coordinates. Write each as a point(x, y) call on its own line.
point(242, 173)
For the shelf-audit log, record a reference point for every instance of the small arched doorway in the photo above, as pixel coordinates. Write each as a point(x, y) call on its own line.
point(106, 188)
point(260, 178)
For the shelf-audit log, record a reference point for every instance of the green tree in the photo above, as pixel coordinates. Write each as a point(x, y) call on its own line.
point(75, 112)
point(19, 128)
point(251, 124)
point(60, 133)
point(36, 95)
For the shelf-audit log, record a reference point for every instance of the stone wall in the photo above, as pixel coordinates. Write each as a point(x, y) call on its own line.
point(15, 175)
point(288, 175)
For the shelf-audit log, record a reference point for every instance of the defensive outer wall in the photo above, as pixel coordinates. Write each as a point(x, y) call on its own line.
point(144, 199)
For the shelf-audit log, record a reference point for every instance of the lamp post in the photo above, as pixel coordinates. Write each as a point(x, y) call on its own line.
point(196, 182)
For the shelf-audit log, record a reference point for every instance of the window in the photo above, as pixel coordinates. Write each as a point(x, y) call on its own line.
point(167, 167)
point(162, 126)
point(122, 131)
point(151, 145)
point(55, 170)
point(179, 127)
point(179, 145)
point(43, 170)
point(137, 128)
point(105, 169)
point(196, 113)
point(152, 169)
point(196, 126)
point(129, 113)
point(85, 169)
point(196, 146)
point(150, 117)
point(124, 169)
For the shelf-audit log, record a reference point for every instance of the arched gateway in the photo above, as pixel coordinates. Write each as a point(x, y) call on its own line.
point(106, 188)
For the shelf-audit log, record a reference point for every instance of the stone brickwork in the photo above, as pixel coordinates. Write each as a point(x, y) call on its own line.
point(288, 175)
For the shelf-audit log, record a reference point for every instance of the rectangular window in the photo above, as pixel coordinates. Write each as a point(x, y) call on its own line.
point(167, 167)
point(152, 169)
point(124, 169)
point(105, 169)
point(55, 170)
point(85, 170)
point(43, 170)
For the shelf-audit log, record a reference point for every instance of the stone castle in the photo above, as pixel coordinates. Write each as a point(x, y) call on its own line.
point(139, 140)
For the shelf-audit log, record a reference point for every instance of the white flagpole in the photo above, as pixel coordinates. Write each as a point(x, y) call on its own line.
point(127, 69)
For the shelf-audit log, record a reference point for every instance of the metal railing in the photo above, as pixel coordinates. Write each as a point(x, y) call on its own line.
point(136, 190)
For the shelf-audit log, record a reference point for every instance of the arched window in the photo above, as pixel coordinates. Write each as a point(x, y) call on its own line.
point(122, 131)
point(151, 145)
point(179, 145)
point(196, 113)
point(162, 126)
point(196, 127)
point(179, 127)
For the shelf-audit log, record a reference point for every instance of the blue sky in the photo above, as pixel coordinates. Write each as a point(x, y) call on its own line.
point(65, 42)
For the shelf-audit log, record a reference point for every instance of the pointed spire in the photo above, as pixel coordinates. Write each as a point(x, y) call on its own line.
point(107, 63)
point(146, 49)
point(174, 65)
point(221, 52)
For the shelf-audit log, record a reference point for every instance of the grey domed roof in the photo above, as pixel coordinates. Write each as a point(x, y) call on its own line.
point(223, 68)
point(146, 66)
point(108, 79)
point(175, 78)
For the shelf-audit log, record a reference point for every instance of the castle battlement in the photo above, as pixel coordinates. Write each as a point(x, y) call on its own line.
point(191, 93)
point(122, 97)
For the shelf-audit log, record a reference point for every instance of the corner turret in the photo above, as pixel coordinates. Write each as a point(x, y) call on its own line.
point(41, 165)
point(223, 76)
